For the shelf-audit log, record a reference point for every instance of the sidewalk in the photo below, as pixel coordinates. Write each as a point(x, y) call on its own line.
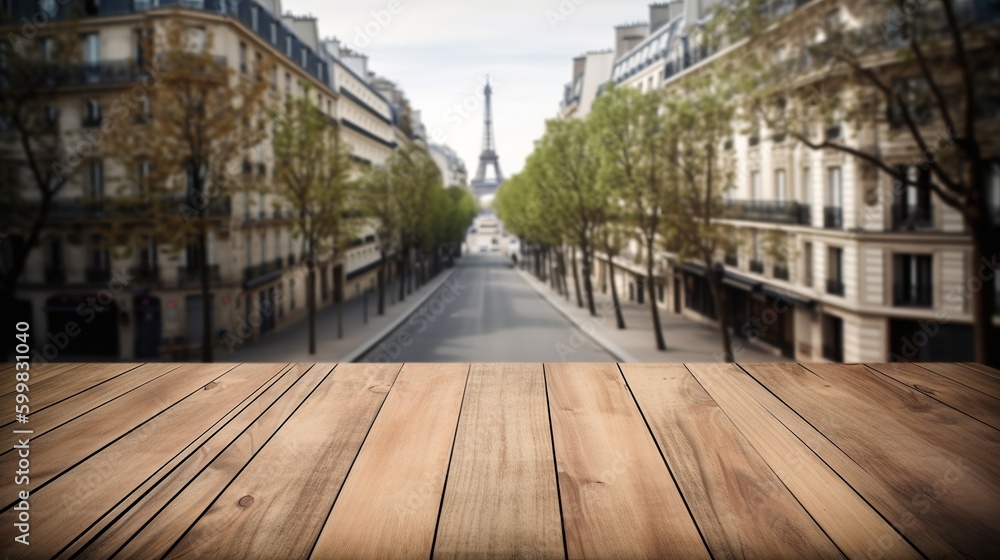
point(292, 344)
point(687, 340)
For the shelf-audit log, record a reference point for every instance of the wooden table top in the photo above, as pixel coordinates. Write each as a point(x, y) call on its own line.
point(506, 460)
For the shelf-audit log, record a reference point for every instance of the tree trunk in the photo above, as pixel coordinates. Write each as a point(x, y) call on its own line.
point(206, 296)
point(614, 294)
point(381, 284)
point(983, 267)
point(340, 315)
point(576, 277)
point(311, 297)
point(660, 343)
point(401, 272)
point(721, 312)
point(588, 284)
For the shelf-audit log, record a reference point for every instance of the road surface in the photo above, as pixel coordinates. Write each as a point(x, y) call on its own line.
point(486, 313)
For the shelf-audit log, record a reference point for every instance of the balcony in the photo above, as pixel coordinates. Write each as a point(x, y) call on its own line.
point(85, 208)
point(732, 260)
point(781, 272)
point(190, 275)
point(909, 218)
point(98, 275)
point(835, 286)
point(771, 211)
point(259, 271)
point(833, 132)
point(90, 121)
point(833, 217)
point(904, 295)
point(757, 266)
point(55, 276)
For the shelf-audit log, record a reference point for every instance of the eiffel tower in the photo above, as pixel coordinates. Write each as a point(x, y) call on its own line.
point(480, 184)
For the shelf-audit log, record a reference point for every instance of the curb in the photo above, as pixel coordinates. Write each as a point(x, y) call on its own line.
point(617, 352)
point(374, 341)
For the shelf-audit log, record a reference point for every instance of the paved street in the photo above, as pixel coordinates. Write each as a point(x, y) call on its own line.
point(486, 313)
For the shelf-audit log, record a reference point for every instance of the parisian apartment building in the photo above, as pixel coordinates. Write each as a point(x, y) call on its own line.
point(865, 271)
point(257, 284)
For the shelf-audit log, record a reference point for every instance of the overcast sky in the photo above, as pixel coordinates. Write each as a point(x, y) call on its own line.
point(439, 51)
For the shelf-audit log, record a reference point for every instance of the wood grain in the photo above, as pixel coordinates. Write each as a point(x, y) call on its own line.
point(43, 372)
point(158, 502)
point(942, 389)
point(984, 369)
point(389, 505)
point(978, 380)
point(856, 529)
point(50, 391)
point(501, 499)
point(741, 506)
point(313, 451)
point(926, 453)
point(103, 480)
point(618, 498)
point(58, 450)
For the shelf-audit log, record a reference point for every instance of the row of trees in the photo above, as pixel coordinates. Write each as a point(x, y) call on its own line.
point(182, 147)
point(652, 168)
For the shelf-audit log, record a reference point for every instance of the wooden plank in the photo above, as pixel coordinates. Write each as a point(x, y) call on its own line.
point(929, 455)
point(159, 518)
point(984, 369)
point(39, 373)
point(388, 507)
point(58, 450)
point(501, 499)
point(978, 380)
point(618, 497)
point(53, 390)
point(741, 506)
point(100, 482)
point(313, 451)
point(82, 403)
point(942, 389)
point(856, 529)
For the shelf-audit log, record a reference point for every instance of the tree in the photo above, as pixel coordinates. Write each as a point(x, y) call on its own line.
point(377, 200)
point(414, 178)
point(924, 76)
point(698, 119)
point(36, 159)
point(311, 173)
point(569, 176)
point(188, 148)
point(633, 141)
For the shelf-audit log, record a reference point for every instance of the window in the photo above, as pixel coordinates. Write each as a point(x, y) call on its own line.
point(92, 113)
point(274, 78)
point(806, 186)
point(48, 7)
point(288, 46)
point(780, 186)
point(253, 17)
point(140, 45)
point(147, 256)
point(274, 32)
point(305, 57)
point(912, 198)
point(807, 261)
point(755, 185)
point(910, 96)
point(291, 294)
point(91, 48)
point(288, 83)
point(835, 272)
point(194, 39)
point(99, 258)
point(993, 191)
point(93, 180)
point(142, 177)
point(834, 199)
point(912, 280)
point(249, 250)
point(47, 47)
point(54, 254)
point(263, 247)
point(243, 57)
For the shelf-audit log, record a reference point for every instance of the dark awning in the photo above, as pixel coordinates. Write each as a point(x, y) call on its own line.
point(262, 280)
point(691, 268)
point(741, 282)
point(787, 295)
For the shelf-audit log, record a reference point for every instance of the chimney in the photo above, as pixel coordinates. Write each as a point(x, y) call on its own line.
point(627, 36)
point(578, 65)
point(662, 13)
